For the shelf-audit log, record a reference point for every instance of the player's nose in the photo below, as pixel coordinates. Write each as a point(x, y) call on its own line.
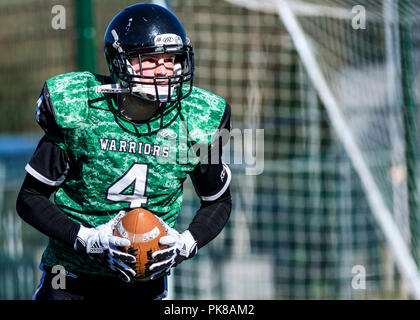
point(161, 69)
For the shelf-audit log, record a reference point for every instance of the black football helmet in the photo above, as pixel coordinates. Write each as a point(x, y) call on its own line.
point(142, 30)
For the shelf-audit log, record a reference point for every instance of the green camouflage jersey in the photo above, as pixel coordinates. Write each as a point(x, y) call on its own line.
point(114, 164)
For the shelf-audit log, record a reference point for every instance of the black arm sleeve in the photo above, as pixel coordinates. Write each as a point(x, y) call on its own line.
point(35, 208)
point(211, 182)
point(46, 172)
point(210, 219)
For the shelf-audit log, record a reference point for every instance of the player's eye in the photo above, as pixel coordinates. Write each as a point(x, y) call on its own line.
point(148, 59)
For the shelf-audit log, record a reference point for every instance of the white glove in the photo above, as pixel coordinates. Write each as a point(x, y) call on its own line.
point(181, 246)
point(100, 244)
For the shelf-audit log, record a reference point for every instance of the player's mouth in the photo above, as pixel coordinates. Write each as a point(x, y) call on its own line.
point(162, 83)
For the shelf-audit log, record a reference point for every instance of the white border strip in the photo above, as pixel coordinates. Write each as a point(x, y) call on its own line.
point(403, 258)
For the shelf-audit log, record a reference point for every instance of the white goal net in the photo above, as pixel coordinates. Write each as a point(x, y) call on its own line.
point(334, 214)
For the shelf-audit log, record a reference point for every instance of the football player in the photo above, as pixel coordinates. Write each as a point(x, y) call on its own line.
point(121, 142)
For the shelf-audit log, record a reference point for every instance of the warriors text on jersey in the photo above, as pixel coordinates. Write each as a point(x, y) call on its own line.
point(114, 164)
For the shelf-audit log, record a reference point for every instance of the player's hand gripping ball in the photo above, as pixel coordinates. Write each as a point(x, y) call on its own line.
point(144, 230)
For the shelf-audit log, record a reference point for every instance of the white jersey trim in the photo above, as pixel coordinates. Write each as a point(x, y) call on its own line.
point(43, 179)
point(227, 183)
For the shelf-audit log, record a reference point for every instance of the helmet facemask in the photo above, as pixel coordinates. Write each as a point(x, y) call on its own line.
point(155, 88)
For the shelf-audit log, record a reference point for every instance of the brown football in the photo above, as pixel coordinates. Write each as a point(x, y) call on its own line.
point(144, 230)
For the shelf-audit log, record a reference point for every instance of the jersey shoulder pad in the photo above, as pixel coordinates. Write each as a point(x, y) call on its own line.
point(203, 113)
point(69, 95)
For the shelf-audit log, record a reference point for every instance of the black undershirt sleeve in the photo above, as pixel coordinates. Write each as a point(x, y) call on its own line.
point(49, 163)
point(211, 182)
point(210, 219)
point(34, 207)
point(47, 170)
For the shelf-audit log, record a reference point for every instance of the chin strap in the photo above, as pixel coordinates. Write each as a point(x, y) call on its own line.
point(111, 88)
point(147, 92)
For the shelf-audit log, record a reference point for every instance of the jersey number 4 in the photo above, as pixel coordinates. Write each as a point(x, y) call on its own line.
point(135, 177)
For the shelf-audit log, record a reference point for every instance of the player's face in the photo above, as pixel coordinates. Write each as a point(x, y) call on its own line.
point(155, 66)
